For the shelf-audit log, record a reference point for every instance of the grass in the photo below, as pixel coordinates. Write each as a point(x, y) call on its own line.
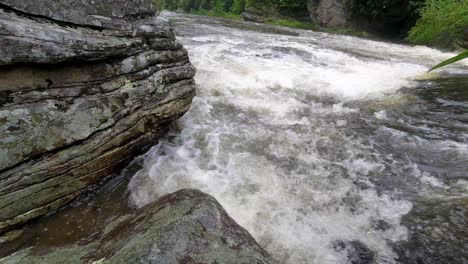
point(293, 24)
point(311, 26)
point(215, 14)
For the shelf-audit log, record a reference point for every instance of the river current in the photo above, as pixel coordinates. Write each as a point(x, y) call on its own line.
point(328, 149)
point(310, 139)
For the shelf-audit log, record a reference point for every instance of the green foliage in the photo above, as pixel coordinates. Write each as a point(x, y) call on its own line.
point(459, 57)
point(227, 6)
point(374, 8)
point(293, 24)
point(441, 22)
point(203, 12)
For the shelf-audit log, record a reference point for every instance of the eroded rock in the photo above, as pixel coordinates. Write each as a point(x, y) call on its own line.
point(187, 226)
point(437, 232)
point(84, 90)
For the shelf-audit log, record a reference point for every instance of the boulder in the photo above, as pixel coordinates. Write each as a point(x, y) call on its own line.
point(253, 15)
point(437, 232)
point(356, 252)
point(329, 13)
point(187, 226)
point(84, 87)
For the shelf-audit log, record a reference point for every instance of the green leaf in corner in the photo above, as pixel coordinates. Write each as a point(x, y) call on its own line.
point(460, 56)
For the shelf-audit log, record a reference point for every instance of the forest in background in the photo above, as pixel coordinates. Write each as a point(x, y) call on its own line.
point(431, 22)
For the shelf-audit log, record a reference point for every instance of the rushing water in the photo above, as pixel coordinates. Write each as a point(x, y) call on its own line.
point(308, 139)
point(313, 142)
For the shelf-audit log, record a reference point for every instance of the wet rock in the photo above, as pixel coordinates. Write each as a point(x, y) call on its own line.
point(187, 226)
point(86, 85)
point(356, 251)
point(253, 15)
point(437, 232)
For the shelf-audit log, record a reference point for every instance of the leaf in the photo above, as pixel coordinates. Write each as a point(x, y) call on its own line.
point(459, 57)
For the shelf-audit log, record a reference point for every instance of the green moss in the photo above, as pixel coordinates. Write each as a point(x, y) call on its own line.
point(293, 24)
point(227, 15)
point(346, 31)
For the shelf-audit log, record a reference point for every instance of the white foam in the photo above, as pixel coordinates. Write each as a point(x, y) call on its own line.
point(280, 163)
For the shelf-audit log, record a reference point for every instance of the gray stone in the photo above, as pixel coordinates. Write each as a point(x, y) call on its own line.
point(356, 251)
point(187, 226)
point(79, 102)
point(329, 13)
point(437, 232)
point(94, 13)
point(253, 15)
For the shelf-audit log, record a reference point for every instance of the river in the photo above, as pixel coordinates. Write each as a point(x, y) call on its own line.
point(313, 142)
point(309, 138)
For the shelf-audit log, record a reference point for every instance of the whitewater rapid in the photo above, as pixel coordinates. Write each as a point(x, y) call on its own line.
point(290, 132)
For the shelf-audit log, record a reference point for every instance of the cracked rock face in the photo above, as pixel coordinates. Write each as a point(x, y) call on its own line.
point(187, 226)
point(84, 87)
point(329, 13)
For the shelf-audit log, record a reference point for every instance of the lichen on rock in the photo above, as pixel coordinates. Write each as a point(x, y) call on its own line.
point(85, 85)
point(187, 226)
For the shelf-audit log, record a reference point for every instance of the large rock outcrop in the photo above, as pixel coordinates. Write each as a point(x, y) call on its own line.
point(329, 13)
point(187, 226)
point(84, 87)
point(392, 20)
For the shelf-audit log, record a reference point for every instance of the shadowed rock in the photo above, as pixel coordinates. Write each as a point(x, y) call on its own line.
point(85, 86)
point(437, 232)
point(187, 226)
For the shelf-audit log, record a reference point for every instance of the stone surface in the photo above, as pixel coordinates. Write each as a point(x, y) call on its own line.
point(187, 226)
point(392, 22)
point(78, 98)
point(437, 232)
point(356, 251)
point(94, 13)
point(329, 13)
point(253, 15)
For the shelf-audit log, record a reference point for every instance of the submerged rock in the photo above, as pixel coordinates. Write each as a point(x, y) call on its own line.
point(84, 86)
point(187, 226)
point(437, 232)
point(356, 251)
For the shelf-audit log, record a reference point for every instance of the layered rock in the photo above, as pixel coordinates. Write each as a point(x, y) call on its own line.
point(187, 226)
point(84, 87)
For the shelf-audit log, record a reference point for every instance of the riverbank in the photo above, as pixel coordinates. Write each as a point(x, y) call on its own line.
point(288, 23)
point(436, 23)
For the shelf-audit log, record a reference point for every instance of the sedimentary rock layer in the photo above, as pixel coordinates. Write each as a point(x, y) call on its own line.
point(84, 87)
